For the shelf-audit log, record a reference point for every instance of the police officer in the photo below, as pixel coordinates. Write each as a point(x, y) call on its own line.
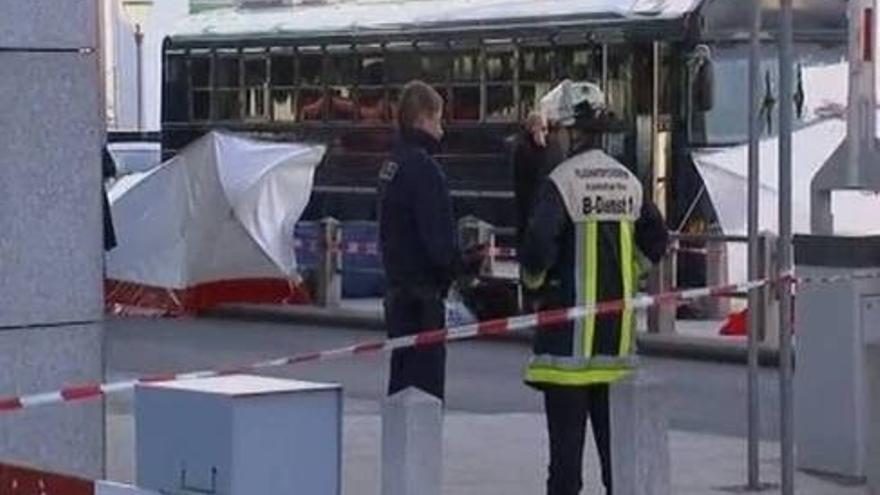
point(418, 239)
point(589, 233)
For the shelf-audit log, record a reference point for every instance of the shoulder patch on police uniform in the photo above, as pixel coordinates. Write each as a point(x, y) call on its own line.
point(595, 186)
point(388, 171)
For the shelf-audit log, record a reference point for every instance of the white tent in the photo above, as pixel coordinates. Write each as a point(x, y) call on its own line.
point(211, 225)
point(725, 173)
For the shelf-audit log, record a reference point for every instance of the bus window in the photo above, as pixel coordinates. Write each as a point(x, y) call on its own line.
point(341, 103)
point(500, 106)
point(537, 64)
point(283, 69)
point(393, 98)
point(581, 63)
point(465, 102)
point(466, 66)
point(310, 104)
point(282, 80)
point(372, 71)
point(341, 76)
point(434, 67)
point(466, 75)
point(499, 66)
point(200, 76)
point(226, 71)
point(284, 105)
point(528, 100)
point(311, 68)
point(342, 69)
point(403, 66)
point(227, 105)
point(499, 70)
point(620, 76)
point(176, 96)
point(200, 67)
point(372, 102)
point(256, 82)
point(201, 105)
point(536, 76)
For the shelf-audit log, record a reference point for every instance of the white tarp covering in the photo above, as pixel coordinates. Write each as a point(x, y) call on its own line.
point(366, 15)
point(222, 210)
point(725, 173)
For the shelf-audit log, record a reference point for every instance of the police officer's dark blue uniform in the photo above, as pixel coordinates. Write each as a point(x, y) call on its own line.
point(419, 253)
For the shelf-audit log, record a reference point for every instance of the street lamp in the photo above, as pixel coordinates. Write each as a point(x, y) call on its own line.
point(137, 11)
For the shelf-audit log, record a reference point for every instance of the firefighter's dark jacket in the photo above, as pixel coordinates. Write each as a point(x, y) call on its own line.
point(550, 249)
point(417, 233)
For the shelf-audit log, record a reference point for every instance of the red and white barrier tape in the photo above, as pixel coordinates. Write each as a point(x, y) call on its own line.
point(425, 339)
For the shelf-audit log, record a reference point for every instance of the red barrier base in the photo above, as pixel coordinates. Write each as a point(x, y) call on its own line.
point(15, 480)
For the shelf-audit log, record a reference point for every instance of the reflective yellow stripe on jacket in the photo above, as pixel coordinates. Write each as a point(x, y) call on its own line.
point(540, 371)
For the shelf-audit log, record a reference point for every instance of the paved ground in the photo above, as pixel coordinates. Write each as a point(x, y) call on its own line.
point(495, 439)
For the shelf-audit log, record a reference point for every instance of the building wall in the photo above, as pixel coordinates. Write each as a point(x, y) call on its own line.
point(120, 69)
point(50, 218)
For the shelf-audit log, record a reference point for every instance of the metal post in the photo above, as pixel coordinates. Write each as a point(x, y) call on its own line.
point(139, 43)
point(755, 318)
point(329, 277)
point(786, 95)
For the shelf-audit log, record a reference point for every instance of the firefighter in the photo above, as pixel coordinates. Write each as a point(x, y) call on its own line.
point(589, 235)
point(418, 239)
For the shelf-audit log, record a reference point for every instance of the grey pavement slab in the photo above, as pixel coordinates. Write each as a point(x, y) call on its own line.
point(505, 454)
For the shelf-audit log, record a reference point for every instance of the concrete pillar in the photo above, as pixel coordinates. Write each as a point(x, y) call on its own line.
point(661, 317)
point(50, 219)
point(412, 444)
point(873, 389)
point(639, 438)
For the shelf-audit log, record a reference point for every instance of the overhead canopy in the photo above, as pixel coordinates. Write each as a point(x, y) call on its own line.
point(362, 17)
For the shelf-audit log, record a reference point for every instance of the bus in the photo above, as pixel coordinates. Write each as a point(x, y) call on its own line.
point(331, 70)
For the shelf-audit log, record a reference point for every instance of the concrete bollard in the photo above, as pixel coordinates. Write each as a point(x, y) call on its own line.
point(639, 438)
point(716, 308)
point(412, 444)
point(661, 318)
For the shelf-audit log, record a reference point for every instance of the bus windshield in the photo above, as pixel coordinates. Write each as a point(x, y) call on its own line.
point(818, 77)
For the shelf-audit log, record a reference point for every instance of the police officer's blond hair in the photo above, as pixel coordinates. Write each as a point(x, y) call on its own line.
point(417, 100)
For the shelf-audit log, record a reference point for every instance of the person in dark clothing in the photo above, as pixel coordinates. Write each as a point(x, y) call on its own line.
point(589, 234)
point(108, 171)
point(418, 239)
point(534, 156)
